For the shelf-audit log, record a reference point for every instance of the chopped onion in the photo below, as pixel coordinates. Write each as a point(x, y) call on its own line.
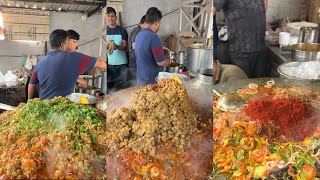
point(271, 82)
point(253, 86)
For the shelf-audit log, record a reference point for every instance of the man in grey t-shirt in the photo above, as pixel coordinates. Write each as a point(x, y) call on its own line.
point(226, 72)
point(246, 22)
point(132, 56)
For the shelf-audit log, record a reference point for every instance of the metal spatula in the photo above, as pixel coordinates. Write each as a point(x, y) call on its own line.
point(7, 107)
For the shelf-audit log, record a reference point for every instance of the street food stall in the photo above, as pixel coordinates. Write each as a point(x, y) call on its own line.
point(181, 128)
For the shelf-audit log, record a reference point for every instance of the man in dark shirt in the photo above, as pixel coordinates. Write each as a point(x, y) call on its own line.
point(58, 71)
point(117, 60)
point(133, 35)
point(246, 21)
point(132, 56)
point(149, 50)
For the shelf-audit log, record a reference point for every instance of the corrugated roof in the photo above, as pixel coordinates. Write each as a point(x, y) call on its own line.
point(89, 7)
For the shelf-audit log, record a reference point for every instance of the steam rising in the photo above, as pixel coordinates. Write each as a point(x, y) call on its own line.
point(196, 166)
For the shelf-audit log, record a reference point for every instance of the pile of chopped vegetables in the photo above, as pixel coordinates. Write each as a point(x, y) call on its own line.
point(157, 113)
point(54, 139)
point(276, 136)
point(160, 135)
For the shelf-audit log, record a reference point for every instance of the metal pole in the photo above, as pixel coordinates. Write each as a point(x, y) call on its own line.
point(180, 27)
point(102, 31)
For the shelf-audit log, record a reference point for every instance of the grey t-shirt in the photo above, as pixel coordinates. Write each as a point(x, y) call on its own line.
point(133, 35)
point(246, 22)
point(228, 72)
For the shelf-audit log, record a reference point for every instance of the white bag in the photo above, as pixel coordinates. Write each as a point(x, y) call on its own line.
point(11, 79)
point(2, 79)
point(223, 34)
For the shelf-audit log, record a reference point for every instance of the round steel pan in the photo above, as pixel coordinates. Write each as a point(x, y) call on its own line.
point(280, 82)
point(243, 83)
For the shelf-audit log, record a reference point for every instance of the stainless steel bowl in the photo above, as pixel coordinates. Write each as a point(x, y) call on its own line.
point(91, 92)
point(305, 52)
point(173, 68)
point(287, 76)
point(75, 97)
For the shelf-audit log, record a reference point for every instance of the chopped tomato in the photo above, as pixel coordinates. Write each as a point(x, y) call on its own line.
point(259, 154)
point(240, 170)
point(140, 165)
point(307, 172)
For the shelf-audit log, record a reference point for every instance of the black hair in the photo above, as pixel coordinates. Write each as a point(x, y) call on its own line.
point(111, 10)
point(57, 37)
point(73, 34)
point(143, 19)
point(153, 15)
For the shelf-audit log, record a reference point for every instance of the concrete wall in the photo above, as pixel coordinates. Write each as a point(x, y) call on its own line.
point(88, 29)
point(282, 9)
point(133, 10)
point(9, 49)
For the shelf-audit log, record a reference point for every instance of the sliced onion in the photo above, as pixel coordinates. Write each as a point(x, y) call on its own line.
point(271, 82)
point(253, 86)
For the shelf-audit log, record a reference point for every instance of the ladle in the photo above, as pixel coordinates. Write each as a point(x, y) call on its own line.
point(7, 107)
point(228, 102)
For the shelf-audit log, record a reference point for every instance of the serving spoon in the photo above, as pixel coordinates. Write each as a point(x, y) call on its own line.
point(228, 102)
point(7, 107)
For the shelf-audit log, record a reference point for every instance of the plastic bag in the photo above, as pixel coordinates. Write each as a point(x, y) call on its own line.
point(11, 79)
point(2, 79)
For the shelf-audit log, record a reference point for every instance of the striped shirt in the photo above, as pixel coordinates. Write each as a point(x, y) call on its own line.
point(58, 71)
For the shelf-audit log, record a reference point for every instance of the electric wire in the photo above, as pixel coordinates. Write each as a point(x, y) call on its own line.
point(125, 27)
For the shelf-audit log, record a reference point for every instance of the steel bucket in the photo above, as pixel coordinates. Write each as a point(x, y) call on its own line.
point(308, 35)
point(104, 82)
point(98, 82)
point(199, 58)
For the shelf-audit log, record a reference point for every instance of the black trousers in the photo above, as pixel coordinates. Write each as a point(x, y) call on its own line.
point(254, 64)
point(117, 77)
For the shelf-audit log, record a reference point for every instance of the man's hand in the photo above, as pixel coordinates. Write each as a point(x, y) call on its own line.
point(109, 43)
point(101, 64)
point(123, 46)
point(133, 45)
point(82, 83)
point(164, 63)
point(111, 46)
point(213, 10)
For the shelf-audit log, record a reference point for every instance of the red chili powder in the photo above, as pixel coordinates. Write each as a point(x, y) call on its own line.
point(289, 115)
